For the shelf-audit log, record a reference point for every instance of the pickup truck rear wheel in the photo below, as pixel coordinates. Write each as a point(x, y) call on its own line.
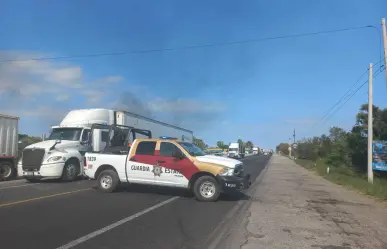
point(108, 181)
point(206, 188)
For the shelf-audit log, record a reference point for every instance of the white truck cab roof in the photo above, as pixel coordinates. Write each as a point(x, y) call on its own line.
point(87, 117)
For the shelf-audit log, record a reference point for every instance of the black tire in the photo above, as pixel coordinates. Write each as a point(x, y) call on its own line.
point(108, 181)
point(198, 185)
point(70, 171)
point(7, 171)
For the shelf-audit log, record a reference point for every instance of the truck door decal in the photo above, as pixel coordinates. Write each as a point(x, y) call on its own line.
point(178, 167)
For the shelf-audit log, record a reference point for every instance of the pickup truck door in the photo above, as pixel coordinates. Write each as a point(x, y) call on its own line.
point(173, 171)
point(141, 161)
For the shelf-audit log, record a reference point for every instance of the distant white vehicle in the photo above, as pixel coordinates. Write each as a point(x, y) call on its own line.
point(235, 150)
point(255, 151)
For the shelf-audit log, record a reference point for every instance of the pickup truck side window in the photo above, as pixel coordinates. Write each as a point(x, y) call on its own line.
point(146, 148)
point(167, 149)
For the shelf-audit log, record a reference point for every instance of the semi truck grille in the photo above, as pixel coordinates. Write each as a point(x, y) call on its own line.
point(32, 159)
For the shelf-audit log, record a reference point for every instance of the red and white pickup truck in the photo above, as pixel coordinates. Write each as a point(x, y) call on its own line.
point(163, 162)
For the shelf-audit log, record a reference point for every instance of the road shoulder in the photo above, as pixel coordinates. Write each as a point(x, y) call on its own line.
point(231, 231)
point(293, 208)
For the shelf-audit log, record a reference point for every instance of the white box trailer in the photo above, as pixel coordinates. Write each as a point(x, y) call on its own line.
point(9, 144)
point(157, 128)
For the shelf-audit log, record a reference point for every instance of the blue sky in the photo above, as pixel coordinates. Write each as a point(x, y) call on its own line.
point(255, 91)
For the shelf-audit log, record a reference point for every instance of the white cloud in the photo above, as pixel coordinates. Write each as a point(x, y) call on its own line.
point(30, 78)
point(63, 97)
point(93, 96)
point(22, 82)
point(107, 81)
point(43, 112)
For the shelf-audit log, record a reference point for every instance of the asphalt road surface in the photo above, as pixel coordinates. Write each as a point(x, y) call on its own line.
point(57, 215)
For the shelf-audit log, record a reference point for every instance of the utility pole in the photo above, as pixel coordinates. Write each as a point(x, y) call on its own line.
point(385, 45)
point(294, 136)
point(370, 128)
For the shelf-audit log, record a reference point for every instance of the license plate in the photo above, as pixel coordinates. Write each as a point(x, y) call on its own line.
point(30, 173)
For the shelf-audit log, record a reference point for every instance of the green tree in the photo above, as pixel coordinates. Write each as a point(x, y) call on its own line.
point(340, 148)
point(249, 144)
point(220, 144)
point(339, 154)
point(200, 143)
point(283, 148)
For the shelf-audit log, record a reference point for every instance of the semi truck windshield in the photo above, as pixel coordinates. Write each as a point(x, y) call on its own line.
point(72, 134)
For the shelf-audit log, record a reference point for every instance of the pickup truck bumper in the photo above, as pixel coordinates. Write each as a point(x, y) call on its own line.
point(234, 183)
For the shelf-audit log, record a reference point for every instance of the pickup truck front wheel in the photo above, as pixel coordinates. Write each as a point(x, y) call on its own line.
point(206, 188)
point(108, 181)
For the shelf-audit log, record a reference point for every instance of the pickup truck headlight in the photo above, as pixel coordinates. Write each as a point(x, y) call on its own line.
point(226, 172)
point(54, 159)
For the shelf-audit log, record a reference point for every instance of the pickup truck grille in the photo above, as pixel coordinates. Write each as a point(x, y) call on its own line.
point(32, 159)
point(239, 171)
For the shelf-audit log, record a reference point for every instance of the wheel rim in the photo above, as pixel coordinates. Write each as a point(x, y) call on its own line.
point(71, 171)
point(5, 171)
point(207, 189)
point(106, 182)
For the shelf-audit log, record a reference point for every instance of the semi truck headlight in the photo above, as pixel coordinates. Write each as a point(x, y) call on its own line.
point(226, 172)
point(54, 159)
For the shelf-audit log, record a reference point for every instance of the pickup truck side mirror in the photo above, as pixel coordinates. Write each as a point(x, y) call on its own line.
point(178, 155)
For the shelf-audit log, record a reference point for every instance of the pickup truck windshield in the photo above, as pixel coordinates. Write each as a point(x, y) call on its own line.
point(192, 149)
point(72, 134)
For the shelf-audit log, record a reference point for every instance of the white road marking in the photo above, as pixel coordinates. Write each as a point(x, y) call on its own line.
point(18, 186)
point(89, 236)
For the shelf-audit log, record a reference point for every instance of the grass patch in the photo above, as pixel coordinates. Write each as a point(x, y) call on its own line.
point(346, 177)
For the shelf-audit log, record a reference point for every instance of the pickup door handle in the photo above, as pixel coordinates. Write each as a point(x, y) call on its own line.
point(160, 161)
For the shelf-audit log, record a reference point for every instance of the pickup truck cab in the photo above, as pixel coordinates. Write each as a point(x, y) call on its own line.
point(165, 162)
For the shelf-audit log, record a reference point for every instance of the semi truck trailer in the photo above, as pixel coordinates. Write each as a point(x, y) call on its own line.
point(8, 146)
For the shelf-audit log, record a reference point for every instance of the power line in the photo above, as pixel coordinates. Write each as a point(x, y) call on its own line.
point(344, 97)
point(353, 94)
point(145, 51)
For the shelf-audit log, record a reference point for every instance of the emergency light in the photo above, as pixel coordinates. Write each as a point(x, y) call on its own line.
point(170, 138)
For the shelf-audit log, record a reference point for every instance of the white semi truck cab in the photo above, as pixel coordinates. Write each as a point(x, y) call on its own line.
point(255, 151)
point(236, 150)
point(61, 155)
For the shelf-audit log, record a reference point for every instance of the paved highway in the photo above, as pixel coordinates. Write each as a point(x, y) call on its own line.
point(56, 215)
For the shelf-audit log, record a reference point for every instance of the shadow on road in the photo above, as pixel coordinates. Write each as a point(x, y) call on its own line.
point(169, 191)
point(51, 181)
